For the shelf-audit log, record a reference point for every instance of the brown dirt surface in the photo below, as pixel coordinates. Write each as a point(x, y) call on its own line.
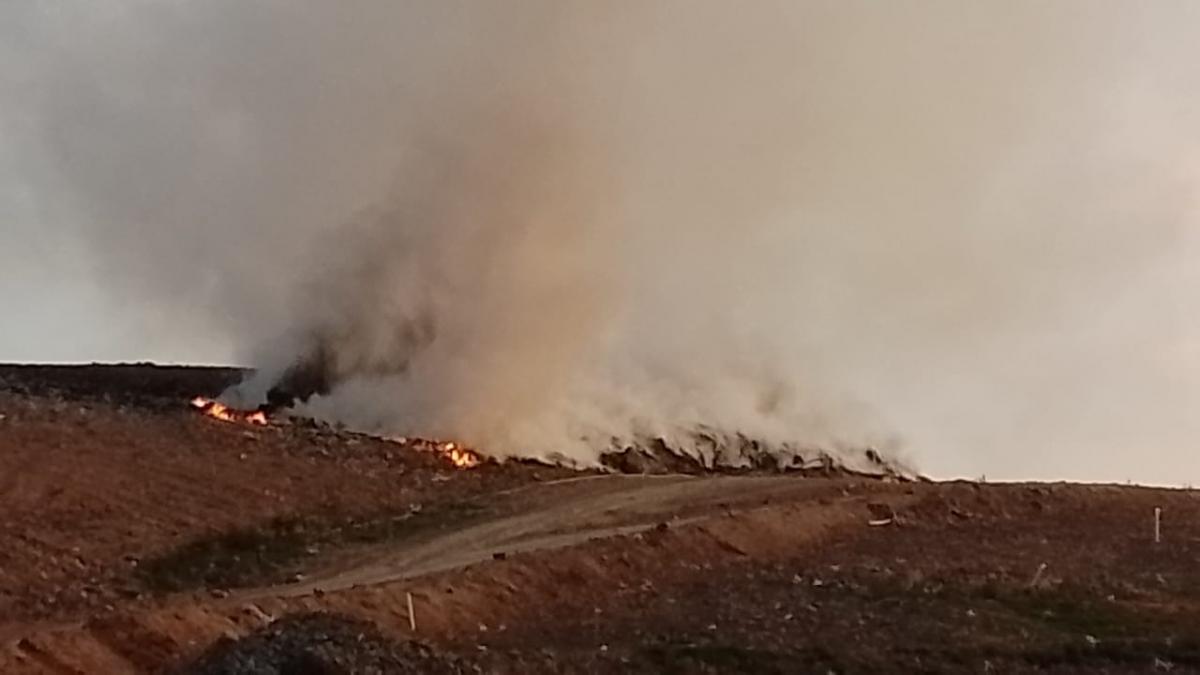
point(141, 537)
point(110, 495)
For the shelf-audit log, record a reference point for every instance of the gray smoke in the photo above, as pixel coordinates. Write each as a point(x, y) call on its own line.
point(961, 232)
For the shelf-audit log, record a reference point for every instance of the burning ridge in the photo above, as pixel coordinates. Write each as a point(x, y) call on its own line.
point(701, 450)
point(708, 451)
point(219, 410)
point(458, 455)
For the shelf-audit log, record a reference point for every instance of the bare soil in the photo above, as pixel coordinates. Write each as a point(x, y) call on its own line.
point(140, 537)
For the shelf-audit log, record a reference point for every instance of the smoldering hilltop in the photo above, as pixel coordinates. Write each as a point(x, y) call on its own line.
point(961, 232)
point(494, 312)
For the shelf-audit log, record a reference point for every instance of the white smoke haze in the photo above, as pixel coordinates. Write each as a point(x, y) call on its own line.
point(965, 233)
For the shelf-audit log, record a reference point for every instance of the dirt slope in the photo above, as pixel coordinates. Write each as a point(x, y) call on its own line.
point(139, 537)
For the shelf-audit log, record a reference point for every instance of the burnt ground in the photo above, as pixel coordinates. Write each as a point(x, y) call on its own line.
point(139, 536)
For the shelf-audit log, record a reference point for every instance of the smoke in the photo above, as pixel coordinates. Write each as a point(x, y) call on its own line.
point(962, 232)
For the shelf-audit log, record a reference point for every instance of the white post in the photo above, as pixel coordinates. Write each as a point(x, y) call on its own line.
point(1037, 576)
point(412, 618)
point(1157, 524)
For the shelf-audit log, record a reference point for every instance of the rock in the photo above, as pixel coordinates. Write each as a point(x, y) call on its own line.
point(320, 643)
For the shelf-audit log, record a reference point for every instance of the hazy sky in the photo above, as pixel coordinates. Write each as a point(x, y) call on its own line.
point(969, 228)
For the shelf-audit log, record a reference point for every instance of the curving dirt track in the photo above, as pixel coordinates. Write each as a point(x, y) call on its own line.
point(140, 537)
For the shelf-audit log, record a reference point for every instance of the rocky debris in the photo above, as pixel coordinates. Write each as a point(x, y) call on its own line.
point(322, 644)
point(711, 452)
point(881, 513)
point(652, 458)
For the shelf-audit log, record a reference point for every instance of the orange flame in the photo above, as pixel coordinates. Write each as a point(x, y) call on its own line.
point(461, 457)
point(225, 413)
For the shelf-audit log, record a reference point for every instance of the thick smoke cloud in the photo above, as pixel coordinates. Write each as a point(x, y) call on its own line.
point(964, 232)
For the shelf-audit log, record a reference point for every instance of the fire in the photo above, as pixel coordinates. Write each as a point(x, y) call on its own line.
point(456, 454)
point(225, 413)
point(461, 457)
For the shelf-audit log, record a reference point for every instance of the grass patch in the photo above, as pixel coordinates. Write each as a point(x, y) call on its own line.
point(1147, 653)
point(1121, 634)
point(277, 549)
point(1014, 627)
point(1077, 613)
point(228, 560)
point(1049, 613)
point(725, 658)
